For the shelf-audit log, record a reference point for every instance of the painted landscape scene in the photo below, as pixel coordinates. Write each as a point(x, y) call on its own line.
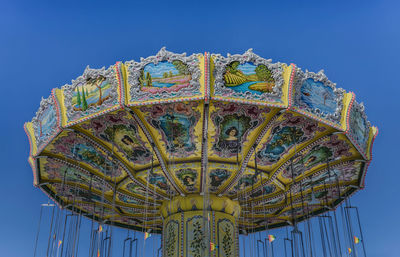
point(47, 121)
point(316, 95)
point(92, 94)
point(248, 77)
point(164, 77)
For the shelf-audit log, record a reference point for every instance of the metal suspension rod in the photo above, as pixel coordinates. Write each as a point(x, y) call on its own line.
point(326, 235)
point(337, 233)
point(335, 246)
point(76, 225)
point(79, 233)
point(330, 223)
point(127, 239)
point(51, 229)
point(258, 249)
point(244, 246)
point(57, 231)
point(345, 228)
point(91, 239)
point(350, 228)
point(334, 213)
point(309, 236)
point(136, 247)
point(322, 236)
point(63, 237)
point(302, 244)
point(158, 251)
point(37, 234)
point(291, 242)
point(359, 226)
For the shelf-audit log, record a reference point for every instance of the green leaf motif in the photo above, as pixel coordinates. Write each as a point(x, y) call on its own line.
point(197, 243)
point(227, 241)
point(170, 241)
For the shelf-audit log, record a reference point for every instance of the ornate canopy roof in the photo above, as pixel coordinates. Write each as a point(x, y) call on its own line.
point(117, 142)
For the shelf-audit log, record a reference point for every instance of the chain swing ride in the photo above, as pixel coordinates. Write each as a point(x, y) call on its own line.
point(198, 155)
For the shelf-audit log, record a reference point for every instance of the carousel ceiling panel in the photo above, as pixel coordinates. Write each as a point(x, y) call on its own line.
point(287, 133)
point(176, 129)
point(122, 136)
point(219, 175)
point(266, 191)
point(58, 171)
point(138, 190)
point(100, 211)
point(141, 213)
point(79, 150)
point(344, 175)
point(154, 179)
point(73, 193)
point(328, 150)
point(233, 129)
point(348, 172)
point(250, 178)
point(288, 206)
point(187, 176)
point(128, 201)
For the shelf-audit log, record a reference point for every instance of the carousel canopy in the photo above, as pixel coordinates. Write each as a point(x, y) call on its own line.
point(117, 143)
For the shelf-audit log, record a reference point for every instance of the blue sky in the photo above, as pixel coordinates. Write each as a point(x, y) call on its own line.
point(45, 44)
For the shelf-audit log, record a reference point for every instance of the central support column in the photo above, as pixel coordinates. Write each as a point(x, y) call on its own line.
point(184, 225)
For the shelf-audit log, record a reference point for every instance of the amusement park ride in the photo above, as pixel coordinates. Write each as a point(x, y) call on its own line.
point(202, 149)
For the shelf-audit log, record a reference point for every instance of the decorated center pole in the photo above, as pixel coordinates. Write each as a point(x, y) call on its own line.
point(183, 228)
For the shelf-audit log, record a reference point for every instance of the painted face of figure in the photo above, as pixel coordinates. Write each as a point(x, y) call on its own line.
point(189, 180)
point(232, 132)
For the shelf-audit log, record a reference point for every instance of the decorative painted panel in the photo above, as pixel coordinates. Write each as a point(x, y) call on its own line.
point(46, 122)
point(232, 126)
point(343, 172)
point(359, 126)
point(248, 76)
point(92, 93)
point(137, 190)
point(217, 177)
point(248, 180)
point(330, 148)
point(154, 177)
point(73, 193)
point(72, 145)
point(129, 200)
point(164, 76)
point(59, 171)
point(195, 243)
point(318, 96)
point(171, 239)
point(225, 238)
point(188, 175)
point(286, 132)
point(122, 135)
point(178, 127)
point(101, 211)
